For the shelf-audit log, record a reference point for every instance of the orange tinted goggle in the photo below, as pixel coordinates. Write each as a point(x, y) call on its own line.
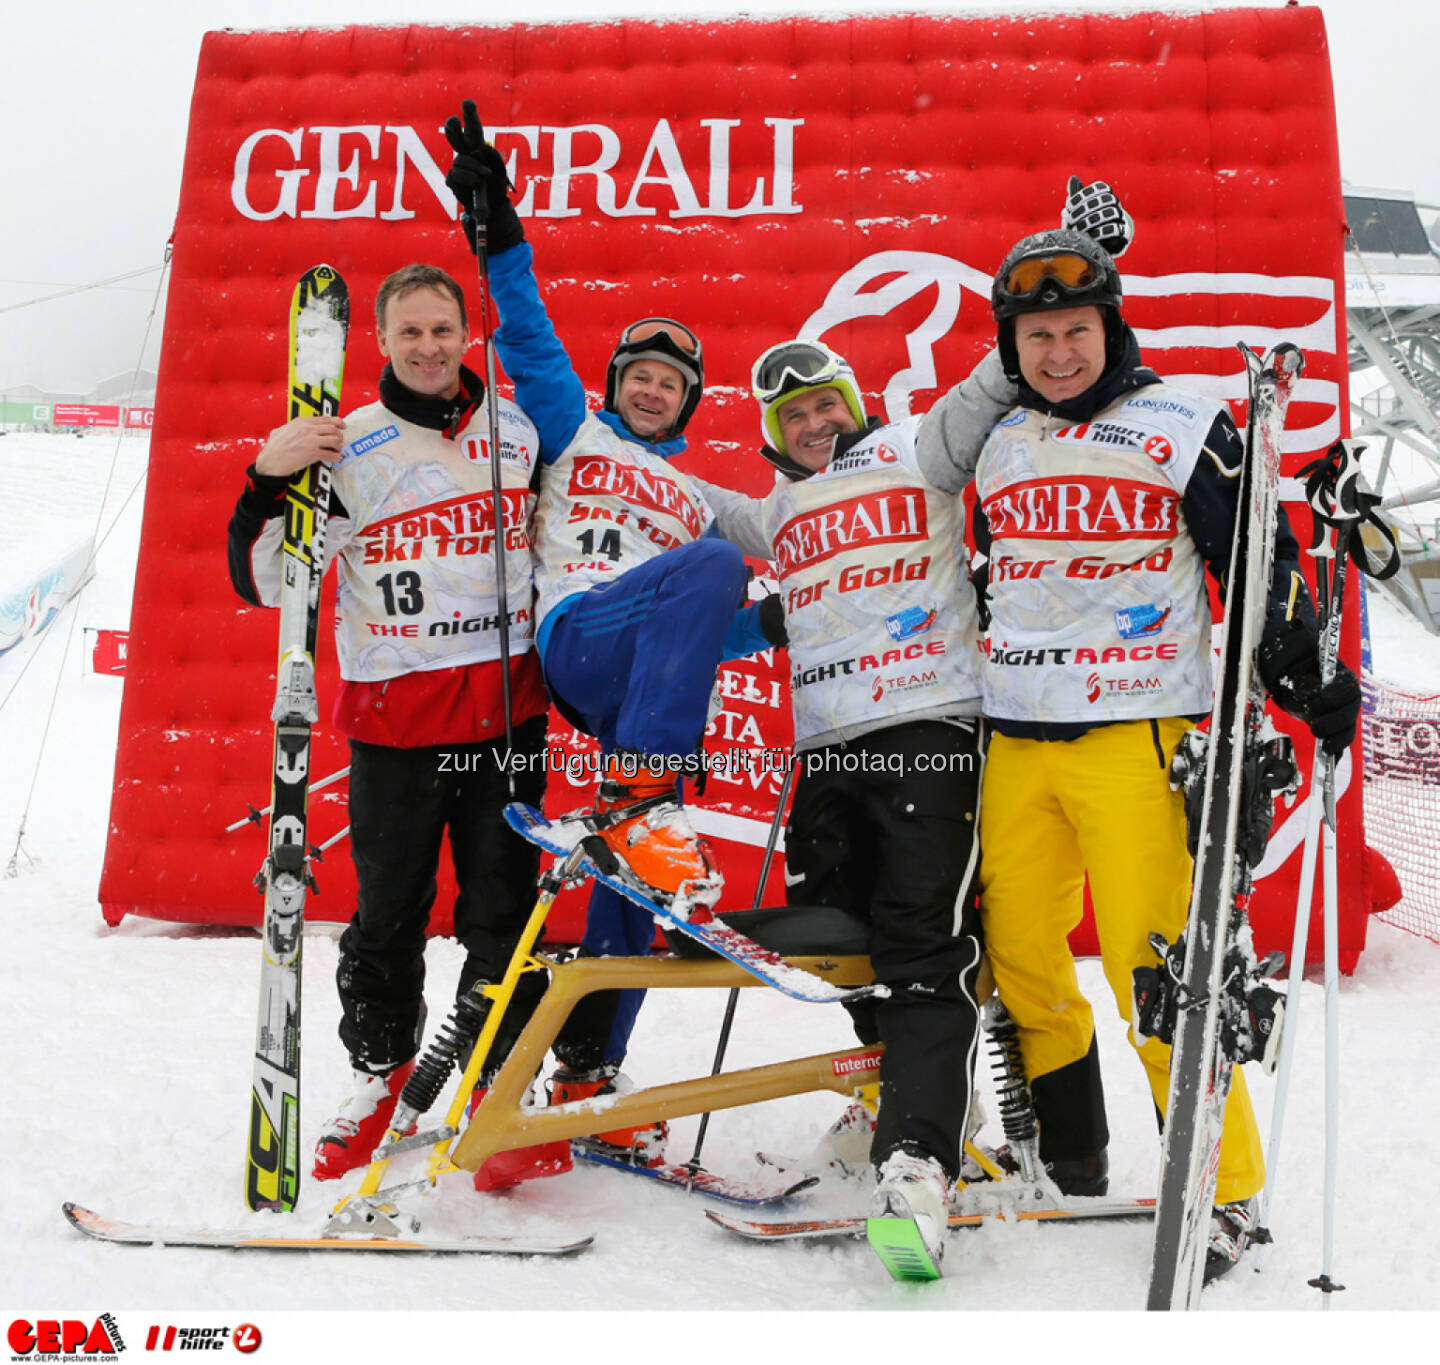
point(677, 332)
point(1074, 272)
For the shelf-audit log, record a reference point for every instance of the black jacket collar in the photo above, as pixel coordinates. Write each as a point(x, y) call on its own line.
point(439, 414)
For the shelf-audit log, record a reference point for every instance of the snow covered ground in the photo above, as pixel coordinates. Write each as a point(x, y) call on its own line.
point(127, 1058)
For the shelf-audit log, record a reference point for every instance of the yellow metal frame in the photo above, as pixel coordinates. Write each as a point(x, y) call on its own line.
point(502, 1121)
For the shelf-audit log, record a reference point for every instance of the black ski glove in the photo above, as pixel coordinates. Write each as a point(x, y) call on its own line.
point(1095, 210)
point(1289, 665)
point(772, 621)
point(477, 178)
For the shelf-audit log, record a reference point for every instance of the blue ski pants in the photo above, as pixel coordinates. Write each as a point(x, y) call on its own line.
point(633, 663)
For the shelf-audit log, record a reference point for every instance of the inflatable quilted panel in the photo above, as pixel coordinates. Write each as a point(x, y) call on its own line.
point(851, 179)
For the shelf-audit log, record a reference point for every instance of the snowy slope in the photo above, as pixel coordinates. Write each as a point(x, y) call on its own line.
point(127, 1058)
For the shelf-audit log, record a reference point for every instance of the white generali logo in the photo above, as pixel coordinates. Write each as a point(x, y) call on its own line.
point(880, 283)
point(685, 170)
point(336, 171)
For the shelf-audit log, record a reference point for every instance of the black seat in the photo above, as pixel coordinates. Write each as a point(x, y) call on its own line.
point(790, 930)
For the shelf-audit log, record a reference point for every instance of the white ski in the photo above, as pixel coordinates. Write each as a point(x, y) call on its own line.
point(145, 1234)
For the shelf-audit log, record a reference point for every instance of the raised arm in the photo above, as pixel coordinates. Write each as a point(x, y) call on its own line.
point(546, 385)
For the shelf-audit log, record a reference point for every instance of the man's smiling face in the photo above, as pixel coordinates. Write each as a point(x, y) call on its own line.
point(1062, 351)
point(425, 340)
point(810, 422)
point(649, 398)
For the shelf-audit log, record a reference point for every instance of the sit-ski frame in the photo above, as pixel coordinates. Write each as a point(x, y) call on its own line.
point(502, 1122)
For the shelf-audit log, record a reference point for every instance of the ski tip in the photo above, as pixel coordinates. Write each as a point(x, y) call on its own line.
point(1289, 357)
point(85, 1220)
point(901, 1249)
point(730, 1222)
point(785, 1229)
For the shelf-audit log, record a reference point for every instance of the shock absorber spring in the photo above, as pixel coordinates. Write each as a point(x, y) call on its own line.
point(453, 1042)
point(1017, 1111)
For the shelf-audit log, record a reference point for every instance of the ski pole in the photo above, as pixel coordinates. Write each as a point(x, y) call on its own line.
point(478, 210)
point(727, 1023)
point(1332, 490)
point(1298, 947)
point(1341, 481)
point(255, 816)
point(1322, 774)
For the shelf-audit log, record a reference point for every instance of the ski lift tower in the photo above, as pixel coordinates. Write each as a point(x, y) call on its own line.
point(1392, 299)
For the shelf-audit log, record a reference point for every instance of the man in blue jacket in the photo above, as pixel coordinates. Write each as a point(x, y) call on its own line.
point(638, 601)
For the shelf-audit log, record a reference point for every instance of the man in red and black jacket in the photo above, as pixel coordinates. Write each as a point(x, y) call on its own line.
point(421, 699)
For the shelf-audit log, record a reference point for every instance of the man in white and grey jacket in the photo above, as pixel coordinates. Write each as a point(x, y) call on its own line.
point(421, 698)
point(884, 658)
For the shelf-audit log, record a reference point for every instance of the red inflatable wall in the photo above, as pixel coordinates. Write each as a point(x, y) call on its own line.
point(851, 179)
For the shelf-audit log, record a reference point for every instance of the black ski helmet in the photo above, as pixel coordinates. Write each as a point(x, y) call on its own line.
point(1047, 271)
point(665, 340)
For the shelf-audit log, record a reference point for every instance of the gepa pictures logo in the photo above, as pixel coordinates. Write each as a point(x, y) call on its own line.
point(66, 1338)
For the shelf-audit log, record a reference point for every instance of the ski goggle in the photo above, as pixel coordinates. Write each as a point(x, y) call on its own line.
point(647, 329)
point(793, 365)
point(1071, 272)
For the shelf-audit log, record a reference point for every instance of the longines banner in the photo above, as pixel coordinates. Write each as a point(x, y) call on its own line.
point(851, 179)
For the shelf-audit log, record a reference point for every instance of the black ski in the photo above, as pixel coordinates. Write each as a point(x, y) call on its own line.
point(319, 322)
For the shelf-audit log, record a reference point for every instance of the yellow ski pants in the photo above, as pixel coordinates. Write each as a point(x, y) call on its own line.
point(1051, 813)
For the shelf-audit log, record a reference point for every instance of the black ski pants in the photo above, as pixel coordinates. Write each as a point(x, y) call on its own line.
point(402, 803)
point(885, 826)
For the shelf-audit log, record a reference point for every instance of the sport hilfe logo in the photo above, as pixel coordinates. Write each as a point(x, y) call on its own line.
point(244, 1338)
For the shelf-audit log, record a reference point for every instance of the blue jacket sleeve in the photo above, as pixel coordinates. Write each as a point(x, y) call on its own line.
point(546, 385)
point(745, 635)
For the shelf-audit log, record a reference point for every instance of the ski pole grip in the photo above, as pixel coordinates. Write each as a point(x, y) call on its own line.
point(1332, 484)
point(1347, 481)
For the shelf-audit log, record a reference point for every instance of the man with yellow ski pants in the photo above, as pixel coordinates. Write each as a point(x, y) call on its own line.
point(1102, 498)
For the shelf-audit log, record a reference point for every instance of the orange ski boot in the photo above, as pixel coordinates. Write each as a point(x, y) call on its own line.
point(639, 1145)
point(652, 837)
